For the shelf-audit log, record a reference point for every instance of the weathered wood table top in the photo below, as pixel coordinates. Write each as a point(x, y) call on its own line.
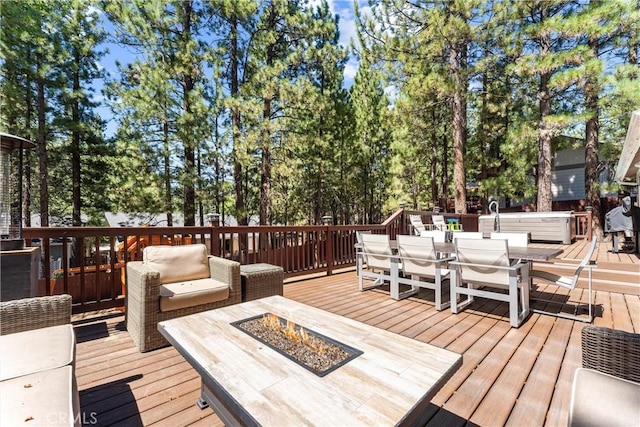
point(249, 383)
point(526, 253)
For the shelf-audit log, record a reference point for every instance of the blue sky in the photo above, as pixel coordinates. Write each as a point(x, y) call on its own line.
point(344, 9)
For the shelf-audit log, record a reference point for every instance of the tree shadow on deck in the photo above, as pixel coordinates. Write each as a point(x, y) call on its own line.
point(111, 403)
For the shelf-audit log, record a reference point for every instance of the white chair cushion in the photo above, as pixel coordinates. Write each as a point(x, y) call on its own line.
point(190, 293)
point(178, 263)
point(28, 352)
point(48, 398)
point(599, 399)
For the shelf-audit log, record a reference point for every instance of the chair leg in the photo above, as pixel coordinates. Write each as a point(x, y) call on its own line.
point(453, 296)
point(590, 299)
point(437, 280)
point(377, 281)
point(514, 313)
point(576, 317)
point(438, 294)
point(456, 286)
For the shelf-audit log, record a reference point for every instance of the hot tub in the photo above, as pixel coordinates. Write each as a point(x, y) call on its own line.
point(547, 226)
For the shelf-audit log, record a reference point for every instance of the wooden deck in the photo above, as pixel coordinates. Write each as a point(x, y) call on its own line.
point(509, 376)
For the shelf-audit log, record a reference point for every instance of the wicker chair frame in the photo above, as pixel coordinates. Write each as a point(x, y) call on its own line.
point(611, 351)
point(143, 300)
point(34, 313)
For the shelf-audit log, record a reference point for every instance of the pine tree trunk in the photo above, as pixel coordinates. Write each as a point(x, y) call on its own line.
point(634, 47)
point(28, 158)
point(457, 61)
point(544, 129)
point(591, 144)
point(544, 147)
point(265, 175)
point(265, 168)
point(235, 122)
point(444, 184)
point(75, 148)
point(189, 209)
point(42, 149)
point(167, 170)
point(433, 173)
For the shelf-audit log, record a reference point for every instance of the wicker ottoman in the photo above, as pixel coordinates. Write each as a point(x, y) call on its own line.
point(261, 280)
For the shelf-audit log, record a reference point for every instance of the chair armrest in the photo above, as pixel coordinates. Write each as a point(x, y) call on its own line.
point(435, 261)
point(34, 313)
point(380, 255)
point(592, 264)
point(225, 271)
point(516, 266)
point(142, 282)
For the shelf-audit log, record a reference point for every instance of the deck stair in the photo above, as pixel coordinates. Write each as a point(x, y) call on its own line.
point(609, 277)
point(616, 272)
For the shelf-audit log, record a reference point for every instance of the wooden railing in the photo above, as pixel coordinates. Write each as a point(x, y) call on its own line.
point(90, 262)
point(584, 225)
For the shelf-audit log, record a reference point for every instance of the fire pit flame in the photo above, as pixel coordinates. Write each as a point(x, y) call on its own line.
point(306, 347)
point(289, 330)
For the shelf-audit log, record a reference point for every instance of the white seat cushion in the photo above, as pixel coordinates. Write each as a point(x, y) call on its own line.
point(28, 352)
point(48, 398)
point(174, 296)
point(599, 399)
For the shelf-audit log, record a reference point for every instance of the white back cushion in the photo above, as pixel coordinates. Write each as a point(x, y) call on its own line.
point(178, 263)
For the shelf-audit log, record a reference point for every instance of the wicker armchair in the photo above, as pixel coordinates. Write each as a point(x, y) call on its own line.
point(34, 313)
point(606, 390)
point(143, 310)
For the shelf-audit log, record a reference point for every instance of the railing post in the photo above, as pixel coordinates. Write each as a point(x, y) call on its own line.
point(329, 243)
point(215, 242)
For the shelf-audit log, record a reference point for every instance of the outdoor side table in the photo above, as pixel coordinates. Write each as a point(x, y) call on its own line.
point(261, 280)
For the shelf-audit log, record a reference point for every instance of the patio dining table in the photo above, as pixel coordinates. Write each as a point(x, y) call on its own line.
point(524, 253)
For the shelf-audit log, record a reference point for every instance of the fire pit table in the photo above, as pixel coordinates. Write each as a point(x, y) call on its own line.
point(390, 379)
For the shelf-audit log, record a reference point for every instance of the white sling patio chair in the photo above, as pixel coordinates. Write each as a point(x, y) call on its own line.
point(569, 282)
point(515, 239)
point(520, 240)
point(486, 263)
point(437, 235)
point(438, 222)
point(361, 258)
point(467, 235)
point(419, 260)
point(377, 249)
point(416, 224)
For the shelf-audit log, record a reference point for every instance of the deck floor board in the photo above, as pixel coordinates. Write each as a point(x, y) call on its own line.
point(508, 376)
